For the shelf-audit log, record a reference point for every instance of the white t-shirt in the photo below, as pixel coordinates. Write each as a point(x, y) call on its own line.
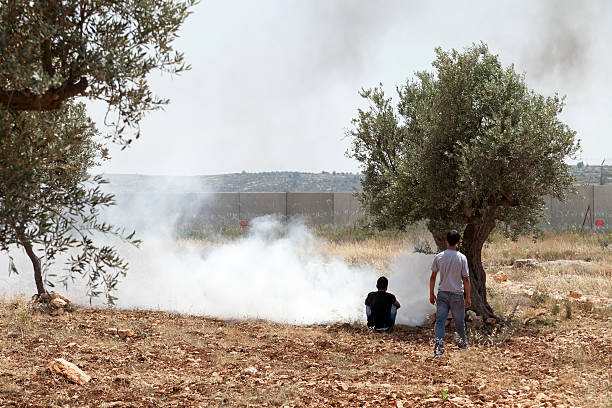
point(451, 265)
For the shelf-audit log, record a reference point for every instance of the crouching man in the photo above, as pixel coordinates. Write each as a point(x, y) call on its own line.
point(381, 308)
point(454, 277)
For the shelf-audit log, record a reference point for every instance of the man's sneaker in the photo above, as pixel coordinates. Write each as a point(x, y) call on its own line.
point(463, 345)
point(381, 330)
point(438, 348)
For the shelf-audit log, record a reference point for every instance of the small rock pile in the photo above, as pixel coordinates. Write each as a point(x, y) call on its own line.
point(500, 277)
point(525, 263)
point(121, 333)
point(473, 320)
point(52, 303)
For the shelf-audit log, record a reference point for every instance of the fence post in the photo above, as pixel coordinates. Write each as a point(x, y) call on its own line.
point(593, 212)
point(333, 207)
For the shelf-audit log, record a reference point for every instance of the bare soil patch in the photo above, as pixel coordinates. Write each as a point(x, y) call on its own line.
point(177, 360)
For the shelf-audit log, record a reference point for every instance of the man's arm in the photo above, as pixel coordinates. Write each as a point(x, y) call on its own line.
point(466, 285)
point(432, 284)
point(465, 277)
point(396, 303)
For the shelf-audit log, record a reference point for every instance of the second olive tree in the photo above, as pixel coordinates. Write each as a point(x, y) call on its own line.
point(468, 146)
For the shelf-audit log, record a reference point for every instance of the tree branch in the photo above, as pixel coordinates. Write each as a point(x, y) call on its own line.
point(45, 48)
point(466, 210)
point(507, 201)
point(52, 99)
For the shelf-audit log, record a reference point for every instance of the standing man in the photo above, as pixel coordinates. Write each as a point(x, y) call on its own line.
point(454, 277)
point(381, 307)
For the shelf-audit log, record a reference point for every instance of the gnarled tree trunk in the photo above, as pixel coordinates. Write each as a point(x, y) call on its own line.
point(474, 237)
point(472, 241)
point(439, 230)
point(440, 241)
point(36, 264)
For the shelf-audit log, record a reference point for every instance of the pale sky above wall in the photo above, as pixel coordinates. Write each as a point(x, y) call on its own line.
point(274, 84)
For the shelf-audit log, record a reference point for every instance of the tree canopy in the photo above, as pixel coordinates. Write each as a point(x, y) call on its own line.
point(49, 201)
point(52, 51)
point(468, 147)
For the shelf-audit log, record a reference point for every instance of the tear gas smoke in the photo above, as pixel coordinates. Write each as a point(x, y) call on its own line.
point(276, 272)
point(565, 33)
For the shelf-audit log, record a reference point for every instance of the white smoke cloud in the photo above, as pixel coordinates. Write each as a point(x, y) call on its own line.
point(277, 271)
point(409, 282)
point(270, 274)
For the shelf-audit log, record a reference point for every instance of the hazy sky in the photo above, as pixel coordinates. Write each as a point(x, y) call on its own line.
point(274, 84)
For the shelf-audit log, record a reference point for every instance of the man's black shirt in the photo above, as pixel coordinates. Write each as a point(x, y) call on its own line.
point(380, 303)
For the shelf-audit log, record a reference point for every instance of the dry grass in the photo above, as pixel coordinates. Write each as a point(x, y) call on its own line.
point(592, 276)
point(376, 252)
point(593, 281)
point(549, 247)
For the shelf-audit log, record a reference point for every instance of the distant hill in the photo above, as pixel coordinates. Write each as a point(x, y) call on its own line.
point(280, 181)
point(586, 174)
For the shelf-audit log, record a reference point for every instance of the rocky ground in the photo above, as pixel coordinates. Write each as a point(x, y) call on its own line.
point(554, 351)
point(138, 358)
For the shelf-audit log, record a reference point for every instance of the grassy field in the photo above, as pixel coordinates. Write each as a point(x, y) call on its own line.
point(556, 349)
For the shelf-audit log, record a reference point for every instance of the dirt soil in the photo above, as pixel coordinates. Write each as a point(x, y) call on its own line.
point(186, 361)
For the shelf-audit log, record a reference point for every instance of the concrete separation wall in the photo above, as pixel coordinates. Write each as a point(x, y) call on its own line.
point(316, 208)
point(571, 212)
point(331, 208)
point(214, 208)
point(603, 205)
point(254, 205)
point(347, 209)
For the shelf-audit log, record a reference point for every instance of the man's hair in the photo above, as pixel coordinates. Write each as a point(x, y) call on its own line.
point(382, 283)
point(453, 237)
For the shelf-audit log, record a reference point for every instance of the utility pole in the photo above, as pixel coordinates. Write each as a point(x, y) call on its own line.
point(602, 175)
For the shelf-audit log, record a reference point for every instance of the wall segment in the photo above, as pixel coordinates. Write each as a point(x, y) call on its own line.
point(339, 208)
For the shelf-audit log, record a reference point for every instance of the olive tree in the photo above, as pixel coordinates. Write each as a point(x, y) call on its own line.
point(468, 146)
point(53, 53)
point(50, 204)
